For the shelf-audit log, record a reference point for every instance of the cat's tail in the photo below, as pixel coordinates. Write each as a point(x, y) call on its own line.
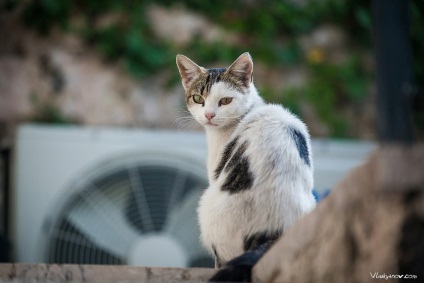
point(239, 269)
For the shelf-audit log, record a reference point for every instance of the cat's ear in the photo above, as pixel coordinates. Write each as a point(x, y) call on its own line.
point(189, 70)
point(242, 69)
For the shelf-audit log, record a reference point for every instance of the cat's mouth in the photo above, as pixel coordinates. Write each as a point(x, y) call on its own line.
point(209, 123)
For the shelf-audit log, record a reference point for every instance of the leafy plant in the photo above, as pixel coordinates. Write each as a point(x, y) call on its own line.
point(269, 30)
point(46, 111)
point(333, 87)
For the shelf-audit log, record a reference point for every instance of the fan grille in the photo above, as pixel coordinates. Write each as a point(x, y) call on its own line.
point(110, 211)
point(73, 247)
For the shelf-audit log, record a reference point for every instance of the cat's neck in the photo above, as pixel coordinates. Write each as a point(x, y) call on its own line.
point(217, 137)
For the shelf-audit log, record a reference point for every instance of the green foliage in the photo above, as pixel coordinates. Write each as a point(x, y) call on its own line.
point(332, 88)
point(43, 14)
point(209, 53)
point(291, 100)
point(46, 111)
point(133, 41)
point(269, 29)
point(129, 39)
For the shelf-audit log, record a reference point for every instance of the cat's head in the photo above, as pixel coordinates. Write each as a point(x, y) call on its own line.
point(218, 98)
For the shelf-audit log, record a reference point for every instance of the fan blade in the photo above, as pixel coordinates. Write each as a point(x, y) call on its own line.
point(102, 220)
point(182, 224)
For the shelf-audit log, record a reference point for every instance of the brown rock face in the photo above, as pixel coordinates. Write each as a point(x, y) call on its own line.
point(371, 226)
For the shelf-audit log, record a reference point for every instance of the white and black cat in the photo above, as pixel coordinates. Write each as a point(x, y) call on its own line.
point(259, 165)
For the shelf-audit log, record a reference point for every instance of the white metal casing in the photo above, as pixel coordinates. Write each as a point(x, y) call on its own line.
point(49, 158)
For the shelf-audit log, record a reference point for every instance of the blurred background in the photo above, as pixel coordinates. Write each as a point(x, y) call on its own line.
point(91, 113)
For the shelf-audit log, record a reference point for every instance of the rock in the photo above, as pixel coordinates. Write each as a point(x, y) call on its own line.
point(371, 225)
point(180, 26)
point(63, 75)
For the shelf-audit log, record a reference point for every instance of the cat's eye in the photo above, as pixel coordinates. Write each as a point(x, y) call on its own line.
point(198, 99)
point(225, 101)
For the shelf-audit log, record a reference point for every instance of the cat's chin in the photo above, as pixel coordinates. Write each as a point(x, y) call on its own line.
point(211, 125)
point(215, 127)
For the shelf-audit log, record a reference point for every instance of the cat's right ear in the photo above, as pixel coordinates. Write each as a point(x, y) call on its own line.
point(189, 70)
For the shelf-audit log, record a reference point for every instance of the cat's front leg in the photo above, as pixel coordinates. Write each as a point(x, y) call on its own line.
point(218, 263)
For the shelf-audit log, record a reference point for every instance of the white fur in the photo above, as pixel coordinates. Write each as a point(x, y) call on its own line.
point(282, 188)
point(278, 198)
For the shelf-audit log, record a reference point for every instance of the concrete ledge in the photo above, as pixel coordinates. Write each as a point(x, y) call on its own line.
point(100, 273)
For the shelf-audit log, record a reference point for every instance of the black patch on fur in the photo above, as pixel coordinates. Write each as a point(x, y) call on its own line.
point(228, 151)
point(301, 145)
point(218, 78)
point(216, 73)
point(239, 269)
point(259, 239)
point(239, 178)
point(237, 157)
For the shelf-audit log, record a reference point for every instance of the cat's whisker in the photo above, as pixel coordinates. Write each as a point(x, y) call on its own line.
point(182, 120)
point(189, 126)
point(185, 123)
point(181, 110)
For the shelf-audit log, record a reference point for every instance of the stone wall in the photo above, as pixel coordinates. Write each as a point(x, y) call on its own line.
point(371, 225)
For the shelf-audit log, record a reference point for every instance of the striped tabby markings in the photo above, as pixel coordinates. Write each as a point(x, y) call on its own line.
point(203, 84)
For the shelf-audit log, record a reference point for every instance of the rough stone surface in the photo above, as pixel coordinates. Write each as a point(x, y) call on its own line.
point(62, 75)
point(180, 26)
point(373, 221)
point(41, 75)
point(99, 273)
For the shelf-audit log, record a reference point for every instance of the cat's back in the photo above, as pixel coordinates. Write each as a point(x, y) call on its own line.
point(269, 149)
point(271, 117)
point(262, 182)
point(274, 133)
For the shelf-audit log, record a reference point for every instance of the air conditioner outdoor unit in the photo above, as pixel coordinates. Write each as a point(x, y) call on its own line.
point(108, 196)
point(123, 196)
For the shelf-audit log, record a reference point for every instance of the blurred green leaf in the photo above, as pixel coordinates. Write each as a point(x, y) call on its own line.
point(269, 30)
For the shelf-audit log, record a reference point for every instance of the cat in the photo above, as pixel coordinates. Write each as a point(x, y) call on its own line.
point(259, 165)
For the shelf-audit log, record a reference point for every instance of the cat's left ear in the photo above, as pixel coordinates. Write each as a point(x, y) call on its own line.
point(242, 69)
point(189, 70)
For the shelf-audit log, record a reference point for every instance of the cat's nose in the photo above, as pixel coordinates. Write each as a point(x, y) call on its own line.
point(210, 115)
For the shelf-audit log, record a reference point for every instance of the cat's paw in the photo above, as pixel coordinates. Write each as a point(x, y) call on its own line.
point(233, 273)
